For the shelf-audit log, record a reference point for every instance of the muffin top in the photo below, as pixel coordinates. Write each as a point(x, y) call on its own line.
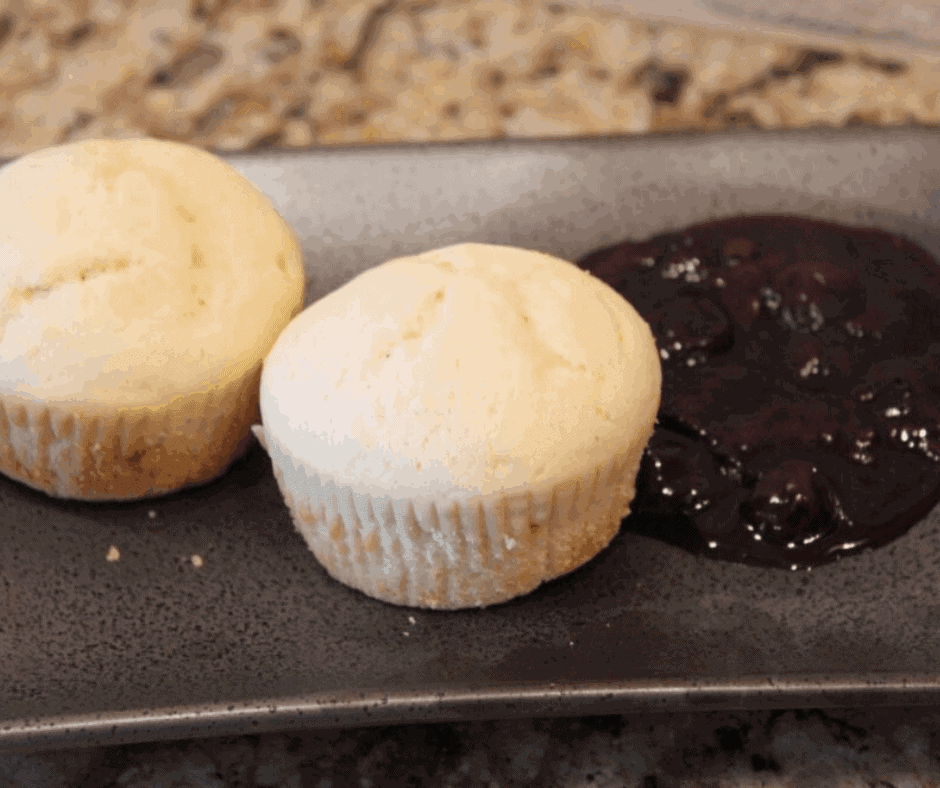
point(470, 369)
point(132, 271)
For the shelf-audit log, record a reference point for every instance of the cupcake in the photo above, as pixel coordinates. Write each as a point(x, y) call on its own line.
point(141, 284)
point(453, 429)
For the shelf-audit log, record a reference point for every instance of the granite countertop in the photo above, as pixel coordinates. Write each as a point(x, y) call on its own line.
point(234, 76)
point(886, 748)
point(237, 75)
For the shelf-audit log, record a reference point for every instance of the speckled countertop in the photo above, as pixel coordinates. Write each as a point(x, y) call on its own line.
point(887, 748)
point(236, 75)
point(239, 74)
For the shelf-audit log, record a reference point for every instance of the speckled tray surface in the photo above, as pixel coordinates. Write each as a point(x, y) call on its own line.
point(259, 637)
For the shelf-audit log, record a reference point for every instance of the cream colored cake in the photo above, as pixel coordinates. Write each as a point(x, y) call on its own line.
point(141, 284)
point(453, 429)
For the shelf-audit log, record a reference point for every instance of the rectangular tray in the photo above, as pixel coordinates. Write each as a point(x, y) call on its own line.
point(260, 638)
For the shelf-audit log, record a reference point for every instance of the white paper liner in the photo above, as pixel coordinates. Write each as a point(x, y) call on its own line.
point(102, 453)
point(467, 551)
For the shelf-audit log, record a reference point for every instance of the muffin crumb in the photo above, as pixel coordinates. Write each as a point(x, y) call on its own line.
point(113, 554)
point(197, 561)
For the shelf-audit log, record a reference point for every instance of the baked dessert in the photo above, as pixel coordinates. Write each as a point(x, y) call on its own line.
point(141, 284)
point(452, 429)
point(800, 418)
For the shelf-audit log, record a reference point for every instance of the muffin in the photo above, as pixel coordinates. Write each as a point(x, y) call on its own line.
point(141, 284)
point(455, 428)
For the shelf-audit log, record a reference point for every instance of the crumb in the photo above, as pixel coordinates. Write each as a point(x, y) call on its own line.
point(406, 634)
point(411, 620)
point(197, 561)
point(152, 514)
point(571, 643)
point(113, 554)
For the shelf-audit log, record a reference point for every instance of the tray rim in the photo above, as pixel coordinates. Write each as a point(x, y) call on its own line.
point(656, 138)
point(375, 708)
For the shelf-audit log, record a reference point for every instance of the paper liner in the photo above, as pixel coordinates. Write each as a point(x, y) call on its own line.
point(469, 552)
point(101, 453)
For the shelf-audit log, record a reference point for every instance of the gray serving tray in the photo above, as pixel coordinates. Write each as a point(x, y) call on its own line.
point(260, 638)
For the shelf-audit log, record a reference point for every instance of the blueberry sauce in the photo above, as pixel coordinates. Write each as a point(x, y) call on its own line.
point(800, 416)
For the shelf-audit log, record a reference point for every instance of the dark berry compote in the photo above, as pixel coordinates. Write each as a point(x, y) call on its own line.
point(800, 416)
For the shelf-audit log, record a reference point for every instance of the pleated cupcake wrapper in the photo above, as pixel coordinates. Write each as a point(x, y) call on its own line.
point(127, 453)
point(452, 554)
